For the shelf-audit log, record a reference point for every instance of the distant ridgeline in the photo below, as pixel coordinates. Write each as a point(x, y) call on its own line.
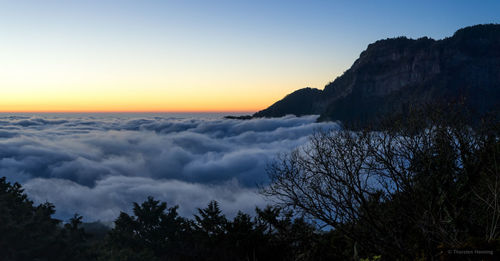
point(393, 74)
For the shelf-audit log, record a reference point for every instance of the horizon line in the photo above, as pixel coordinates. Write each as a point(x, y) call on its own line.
point(132, 112)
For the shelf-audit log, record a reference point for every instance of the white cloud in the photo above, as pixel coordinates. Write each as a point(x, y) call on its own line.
point(97, 166)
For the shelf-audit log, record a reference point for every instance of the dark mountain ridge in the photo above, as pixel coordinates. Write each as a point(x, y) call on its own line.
point(395, 73)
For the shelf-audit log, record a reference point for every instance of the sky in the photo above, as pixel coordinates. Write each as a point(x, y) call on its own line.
point(155, 56)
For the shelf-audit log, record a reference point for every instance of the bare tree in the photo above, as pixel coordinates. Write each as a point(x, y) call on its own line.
point(402, 190)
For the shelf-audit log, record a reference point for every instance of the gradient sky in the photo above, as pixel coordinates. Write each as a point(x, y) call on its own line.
point(106, 55)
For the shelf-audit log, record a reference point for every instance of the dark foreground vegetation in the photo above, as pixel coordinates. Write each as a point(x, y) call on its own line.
point(425, 186)
point(157, 232)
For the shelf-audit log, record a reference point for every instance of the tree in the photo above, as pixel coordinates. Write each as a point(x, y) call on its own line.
point(244, 238)
point(153, 232)
point(211, 221)
point(405, 190)
point(211, 232)
point(76, 243)
point(288, 236)
point(28, 232)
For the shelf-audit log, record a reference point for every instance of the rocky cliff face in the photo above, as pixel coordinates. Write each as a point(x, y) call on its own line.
point(393, 73)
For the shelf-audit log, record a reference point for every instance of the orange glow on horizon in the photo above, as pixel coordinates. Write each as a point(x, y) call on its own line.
point(138, 106)
point(132, 111)
point(133, 108)
point(132, 100)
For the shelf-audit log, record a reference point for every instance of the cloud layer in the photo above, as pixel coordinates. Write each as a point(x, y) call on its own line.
point(97, 165)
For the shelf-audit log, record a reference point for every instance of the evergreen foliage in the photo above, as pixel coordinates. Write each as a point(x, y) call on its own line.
point(427, 184)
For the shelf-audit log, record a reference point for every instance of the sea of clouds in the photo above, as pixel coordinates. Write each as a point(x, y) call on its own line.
point(97, 165)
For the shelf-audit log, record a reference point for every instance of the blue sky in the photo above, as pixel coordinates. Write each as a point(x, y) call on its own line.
point(198, 55)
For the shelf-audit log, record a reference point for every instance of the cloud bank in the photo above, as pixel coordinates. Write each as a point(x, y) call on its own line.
point(97, 165)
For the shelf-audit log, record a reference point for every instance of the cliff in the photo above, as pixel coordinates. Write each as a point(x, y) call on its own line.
point(394, 73)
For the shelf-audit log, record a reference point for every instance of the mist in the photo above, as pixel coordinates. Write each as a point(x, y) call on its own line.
point(97, 165)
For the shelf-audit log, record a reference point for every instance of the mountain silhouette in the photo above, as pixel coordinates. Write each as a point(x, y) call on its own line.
point(395, 73)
